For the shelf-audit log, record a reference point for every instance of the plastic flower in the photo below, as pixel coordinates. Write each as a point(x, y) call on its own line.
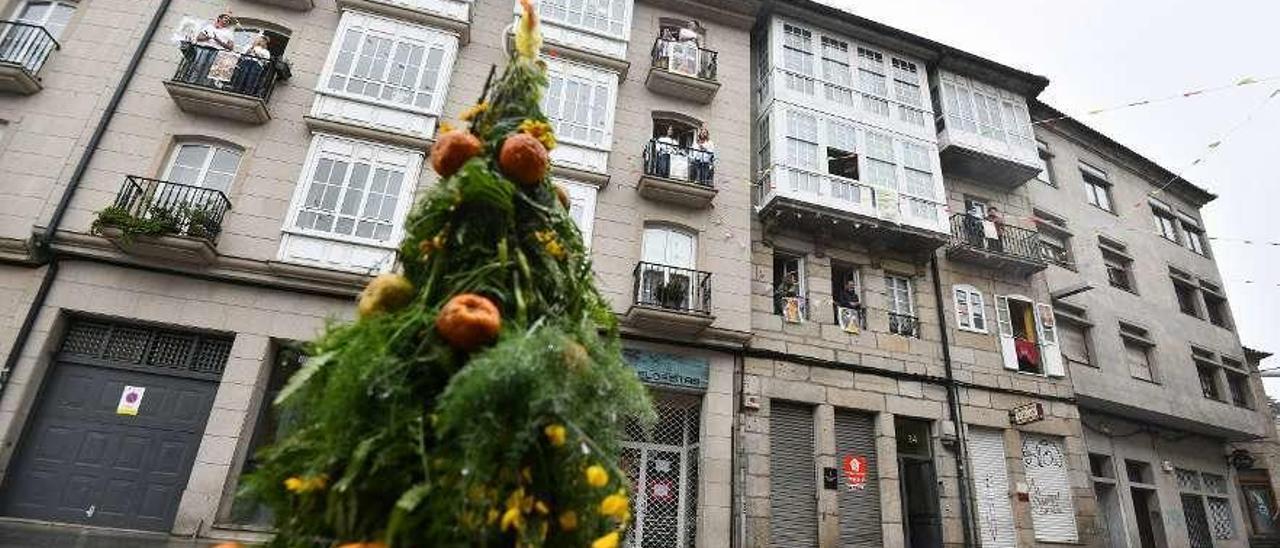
point(555, 434)
point(445, 127)
point(492, 516)
point(528, 36)
point(293, 484)
point(568, 521)
point(541, 507)
point(473, 111)
point(541, 131)
point(615, 506)
point(596, 476)
point(306, 484)
point(608, 541)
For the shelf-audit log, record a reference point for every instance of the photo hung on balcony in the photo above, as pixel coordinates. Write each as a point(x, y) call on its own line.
point(679, 46)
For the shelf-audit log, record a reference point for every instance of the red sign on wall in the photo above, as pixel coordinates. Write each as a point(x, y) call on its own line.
point(855, 472)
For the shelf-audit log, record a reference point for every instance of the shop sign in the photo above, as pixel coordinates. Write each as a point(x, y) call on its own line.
point(855, 472)
point(1026, 413)
point(668, 369)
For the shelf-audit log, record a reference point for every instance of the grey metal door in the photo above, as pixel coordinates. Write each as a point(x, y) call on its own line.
point(84, 458)
point(793, 483)
point(859, 507)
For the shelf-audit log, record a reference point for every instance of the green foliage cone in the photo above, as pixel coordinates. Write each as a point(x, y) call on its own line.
point(397, 437)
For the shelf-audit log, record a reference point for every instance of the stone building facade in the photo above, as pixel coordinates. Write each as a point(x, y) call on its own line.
point(206, 317)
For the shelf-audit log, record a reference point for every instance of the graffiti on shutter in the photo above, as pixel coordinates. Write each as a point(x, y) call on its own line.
point(859, 508)
point(991, 488)
point(1052, 509)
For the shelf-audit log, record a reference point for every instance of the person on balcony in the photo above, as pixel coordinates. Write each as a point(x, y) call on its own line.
point(251, 71)
point(213, 39)
point(849, 310)
point(992, 226)
point(665, 147)
point(703, 161)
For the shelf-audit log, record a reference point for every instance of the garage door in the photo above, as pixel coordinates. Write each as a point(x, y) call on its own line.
point(859, 503)
point(991, 488)
point(116, 426)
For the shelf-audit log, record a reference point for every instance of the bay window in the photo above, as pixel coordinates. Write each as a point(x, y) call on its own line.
point(390, 61)
point(797, 58)
point(579, 102)
point(603, 16)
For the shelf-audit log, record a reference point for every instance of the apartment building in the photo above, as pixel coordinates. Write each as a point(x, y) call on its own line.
point(177, 218)
point(1166, 396)
point(904, 385)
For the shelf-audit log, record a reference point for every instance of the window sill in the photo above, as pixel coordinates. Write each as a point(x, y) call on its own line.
point(341, 239)
point(1126, 290)
point(1148, 381)
point(1103, 208)
point(972, 330)
point(432, 112)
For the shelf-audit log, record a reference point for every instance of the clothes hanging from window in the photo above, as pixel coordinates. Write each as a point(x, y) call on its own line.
point(1027, 352)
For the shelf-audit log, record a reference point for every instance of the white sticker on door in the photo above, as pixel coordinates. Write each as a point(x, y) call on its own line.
point(130, 400)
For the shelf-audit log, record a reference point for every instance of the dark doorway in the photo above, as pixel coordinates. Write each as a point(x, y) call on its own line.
point(922, 522)
point(89, 457)
point(1146, 509)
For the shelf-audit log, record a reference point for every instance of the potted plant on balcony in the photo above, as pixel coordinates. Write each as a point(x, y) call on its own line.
point(674, 294)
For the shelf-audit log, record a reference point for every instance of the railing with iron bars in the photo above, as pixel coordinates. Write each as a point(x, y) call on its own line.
point(904, 324)
point(25, 45)
point(228, 71)
point(672, 288)
point(188, 210)
point(684, 57)
point(679, 162)
point(973, 232)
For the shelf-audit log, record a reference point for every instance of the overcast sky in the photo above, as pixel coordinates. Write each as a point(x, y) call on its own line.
point(1101, 53)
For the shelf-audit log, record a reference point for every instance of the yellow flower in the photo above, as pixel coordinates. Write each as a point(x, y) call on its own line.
point(526, 474)
point(614, 506)
point(473, 111)
point(596, 476)
point(306, 484)
point(294, 484)
point(541, 507)
point(492, 516)
point(512, 518)
point(608, 541)
point(568, 521)
point(550, 243)
point(541, 131)
point(445, 127)
point(555, 434)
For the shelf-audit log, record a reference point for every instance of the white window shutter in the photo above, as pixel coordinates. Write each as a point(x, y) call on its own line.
point(1005, 324)
point(1050, 353)
point(962, 307)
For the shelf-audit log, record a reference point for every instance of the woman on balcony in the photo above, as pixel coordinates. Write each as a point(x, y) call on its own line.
point(251, 72)
point(212, 39)
point(703, 159)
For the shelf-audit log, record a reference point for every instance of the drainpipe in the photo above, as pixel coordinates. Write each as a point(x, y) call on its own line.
point(957, 416)
point(43, 243)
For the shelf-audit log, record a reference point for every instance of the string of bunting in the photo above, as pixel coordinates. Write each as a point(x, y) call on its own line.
point(1246, 81)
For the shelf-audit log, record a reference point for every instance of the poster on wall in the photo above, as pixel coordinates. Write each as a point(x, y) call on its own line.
point(855, 472)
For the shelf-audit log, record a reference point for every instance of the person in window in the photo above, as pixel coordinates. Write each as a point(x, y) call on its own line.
point(212, 39)
point(992, 227)
point(848, 299)
point(787, 291)
point(666, 146)
point(252, 69)
point(973, 223)
point(703, 157)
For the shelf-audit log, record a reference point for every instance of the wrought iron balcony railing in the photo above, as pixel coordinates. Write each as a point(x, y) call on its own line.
point(228, 71)
point(904, 324)
point(1011, 241)
point(673, 288)
point(175, 208)
point(684, 57)
point(674, 161)
point(25, 45)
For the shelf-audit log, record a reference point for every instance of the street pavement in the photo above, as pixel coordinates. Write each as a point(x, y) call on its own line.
point(39, 535)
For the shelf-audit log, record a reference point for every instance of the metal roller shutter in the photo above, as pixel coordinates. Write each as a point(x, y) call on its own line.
point(991, 488)
point(859, 509)
point(1053, 511)
point(793, 484)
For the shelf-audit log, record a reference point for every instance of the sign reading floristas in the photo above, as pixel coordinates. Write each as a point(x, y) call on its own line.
point(685, 372)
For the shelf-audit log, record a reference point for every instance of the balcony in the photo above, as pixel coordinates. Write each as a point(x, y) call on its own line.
point(984, 133)
point(165, 221)
point(23, 50)
point(834, 208)
point(677, 175)
point(995, 245)
point(681, 69)
point(670, 299)
point(225, 84)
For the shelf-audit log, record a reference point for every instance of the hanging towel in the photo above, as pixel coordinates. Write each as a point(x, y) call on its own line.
point(1027, 351)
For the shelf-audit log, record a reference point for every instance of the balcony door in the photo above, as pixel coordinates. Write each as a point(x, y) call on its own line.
point(203, 165)
point(27, 45)
point(667, 272)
